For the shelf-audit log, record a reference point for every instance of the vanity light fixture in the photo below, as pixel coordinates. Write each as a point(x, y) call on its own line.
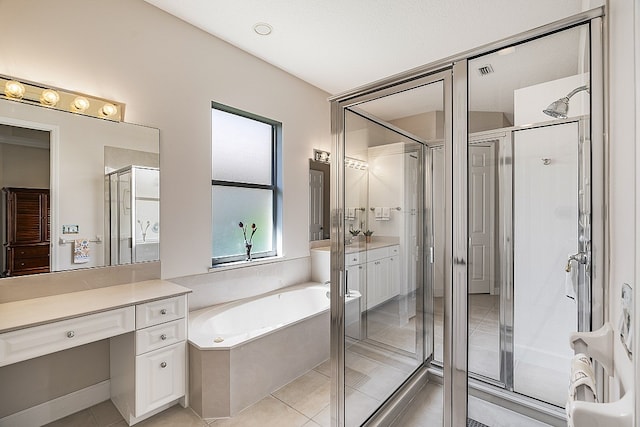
point(355, 163)
point(60, 99)
point(321, 156)
point(49, 97)
point(108, 110)
point(80, 104)
point(14, 89)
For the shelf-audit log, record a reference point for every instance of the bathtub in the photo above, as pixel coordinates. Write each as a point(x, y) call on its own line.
point(242, 351)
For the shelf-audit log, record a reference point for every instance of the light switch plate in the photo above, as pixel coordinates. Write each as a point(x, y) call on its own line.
point(70, 229)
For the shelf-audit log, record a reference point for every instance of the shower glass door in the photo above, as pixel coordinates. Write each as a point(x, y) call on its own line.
point(530, 215)
point(388, 329)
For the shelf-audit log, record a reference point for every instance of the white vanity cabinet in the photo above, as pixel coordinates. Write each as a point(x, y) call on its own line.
point(148, 367)
point(383, 275)
point(146, 325)
point(375, 273)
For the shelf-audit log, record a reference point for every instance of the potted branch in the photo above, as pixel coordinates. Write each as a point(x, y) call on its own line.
point(248, 242)
point(367, 236)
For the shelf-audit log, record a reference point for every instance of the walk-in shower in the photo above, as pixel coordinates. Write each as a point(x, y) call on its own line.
point(132, 217)
point(477, 198)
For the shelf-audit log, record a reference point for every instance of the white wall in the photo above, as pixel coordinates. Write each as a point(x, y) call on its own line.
point(168, 72)
point(623, 222)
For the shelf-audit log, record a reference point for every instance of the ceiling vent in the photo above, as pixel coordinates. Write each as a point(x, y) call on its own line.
point(485, 70)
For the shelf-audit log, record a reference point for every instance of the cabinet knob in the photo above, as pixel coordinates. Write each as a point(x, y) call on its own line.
point(163, 337)
point(163, 311)
point(71, 334)
point(163, 365)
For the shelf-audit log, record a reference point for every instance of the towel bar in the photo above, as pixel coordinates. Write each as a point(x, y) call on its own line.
point(62, 241)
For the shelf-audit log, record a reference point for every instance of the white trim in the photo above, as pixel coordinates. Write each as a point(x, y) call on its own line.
point(60, 407)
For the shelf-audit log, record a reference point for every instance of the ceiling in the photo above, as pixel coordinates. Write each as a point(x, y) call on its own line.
point(338, 45)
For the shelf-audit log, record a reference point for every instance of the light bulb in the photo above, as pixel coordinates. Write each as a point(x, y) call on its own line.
point(108, 110)
point(49, 97)
point(80, 104)
point(14, 89)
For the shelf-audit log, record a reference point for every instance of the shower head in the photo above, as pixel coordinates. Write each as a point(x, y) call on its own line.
point(559, 109)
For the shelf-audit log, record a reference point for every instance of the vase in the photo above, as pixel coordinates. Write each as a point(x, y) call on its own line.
point(247, 247)
point(367, 239)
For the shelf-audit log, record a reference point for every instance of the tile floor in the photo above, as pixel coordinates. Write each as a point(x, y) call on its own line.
point(484, 334)
point(371, 374)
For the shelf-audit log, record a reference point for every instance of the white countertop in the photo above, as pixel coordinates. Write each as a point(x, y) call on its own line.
point(362, 246)
point(36, 311)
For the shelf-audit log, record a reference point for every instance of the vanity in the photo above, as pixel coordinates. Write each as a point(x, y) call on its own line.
point(146, 323)
point(377, 264)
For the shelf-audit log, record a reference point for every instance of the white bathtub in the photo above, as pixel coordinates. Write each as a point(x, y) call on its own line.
point(242, 351)
point(235, 323)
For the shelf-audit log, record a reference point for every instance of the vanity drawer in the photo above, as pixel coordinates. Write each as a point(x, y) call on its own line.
point(31, 251)
point(159, 336)
point(36, 341)
point(377, 254)
point(161, 311)
point(353, 258)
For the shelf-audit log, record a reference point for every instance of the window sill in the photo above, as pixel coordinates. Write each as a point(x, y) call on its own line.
point(245, 264)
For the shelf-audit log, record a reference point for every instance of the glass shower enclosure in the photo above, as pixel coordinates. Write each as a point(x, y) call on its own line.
point(133, 215)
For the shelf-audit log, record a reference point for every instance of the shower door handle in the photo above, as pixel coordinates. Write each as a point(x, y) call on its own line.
point(580, 258)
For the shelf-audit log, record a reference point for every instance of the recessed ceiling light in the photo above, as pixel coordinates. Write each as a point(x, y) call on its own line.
point(262, 28)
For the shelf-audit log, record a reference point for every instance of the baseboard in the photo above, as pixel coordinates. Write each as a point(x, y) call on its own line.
point(58, 408)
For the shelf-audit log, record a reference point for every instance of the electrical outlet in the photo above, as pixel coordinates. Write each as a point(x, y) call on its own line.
point(70, 229)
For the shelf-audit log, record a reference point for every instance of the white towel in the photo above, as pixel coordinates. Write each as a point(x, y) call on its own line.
point(386, 214)
point(81, 252)
point(377, 213)
point(571, 281)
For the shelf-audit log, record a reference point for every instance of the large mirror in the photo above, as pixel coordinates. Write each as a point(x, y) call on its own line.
point(77, 191)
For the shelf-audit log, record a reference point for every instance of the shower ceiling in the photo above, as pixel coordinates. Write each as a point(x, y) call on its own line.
point(338, 45)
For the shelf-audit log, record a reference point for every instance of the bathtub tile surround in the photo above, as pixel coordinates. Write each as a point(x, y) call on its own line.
point(229, 376)
point(224, 285)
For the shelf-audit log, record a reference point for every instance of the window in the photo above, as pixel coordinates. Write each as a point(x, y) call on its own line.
point(244, 171)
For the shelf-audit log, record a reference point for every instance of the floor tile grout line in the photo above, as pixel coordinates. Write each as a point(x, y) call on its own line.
point(286, 404)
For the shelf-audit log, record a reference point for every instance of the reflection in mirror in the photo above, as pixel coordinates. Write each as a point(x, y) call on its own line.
point(24, 209)
point(387, 149)
point(520, 232)
point(69, 161)
point(319, 199)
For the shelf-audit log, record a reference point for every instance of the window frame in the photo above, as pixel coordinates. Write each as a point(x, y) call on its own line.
point(276, 132)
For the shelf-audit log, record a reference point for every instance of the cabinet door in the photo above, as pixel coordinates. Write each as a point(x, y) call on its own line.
point(394, 276)
point(356, 281)
point(160, 377)
point(377, 281)
point(27, 221)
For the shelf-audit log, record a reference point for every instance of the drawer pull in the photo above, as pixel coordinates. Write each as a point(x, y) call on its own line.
point(71, 334)
point(163, 337)
point(163, 365)
point(163, 311)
